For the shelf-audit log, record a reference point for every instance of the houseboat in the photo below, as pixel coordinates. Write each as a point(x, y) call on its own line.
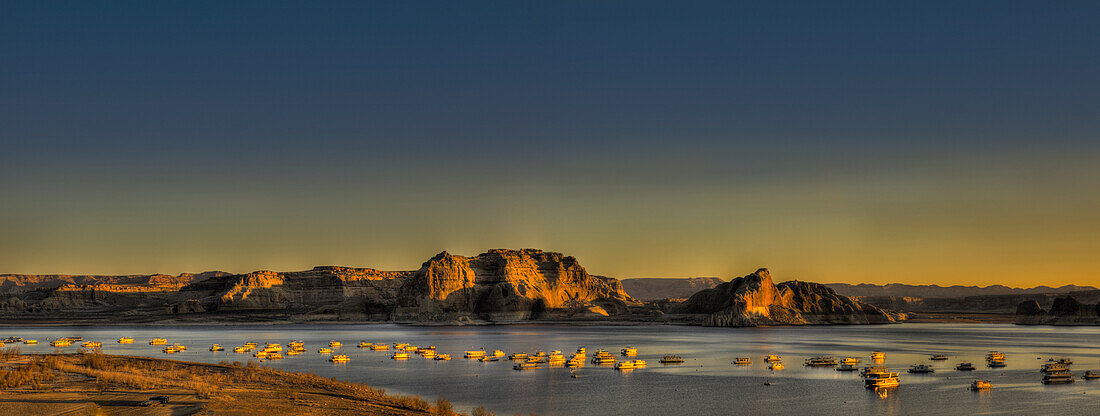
point(981, 385)
point(965, 367)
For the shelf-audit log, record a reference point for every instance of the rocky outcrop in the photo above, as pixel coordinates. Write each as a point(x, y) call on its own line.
point(507, 285)
point(667, 288)
point(351, 293)
point(754, 300)
point(1064, 311)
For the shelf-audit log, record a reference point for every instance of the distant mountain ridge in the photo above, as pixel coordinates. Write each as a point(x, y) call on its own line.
point(937, 291)
point(653, 288)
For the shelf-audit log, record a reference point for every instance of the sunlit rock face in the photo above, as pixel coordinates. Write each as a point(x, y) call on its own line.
point(507, 285)
point(1065, 311)
point(754, 300)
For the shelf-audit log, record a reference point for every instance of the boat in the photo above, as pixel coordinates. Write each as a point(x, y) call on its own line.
point(1065, 361)
point(772, 357)
point(965, 367)
point(379, 347)
point(938, 357)
point(1091, 375)
point(850, 360)
point(581, 350)
point(776, 365)
point(629, 352)
point(488, 358)
point(498, 353)
point(995, 355)
point(261, 354)
point(672, 359)
point(1054, 368)
point(240, 350)
point(878, 355)
point(625, 365)
point(400, 345)
point(442, 357)
point(821, 361)
point(274, 356)
point(273, 347)
point(335, 344)
point(60, 343)
point(92, 344)
point(400, 355)
point(742, 361)
point(574, 363)
point(325, 351)
point(525, 366)
point(158, 341)
point(474, 354)
point(604, 360)
point(293, 352)
point(35, 341)
point(180, 347)
point(996, 363)
point(881, 380)
point(639, 363)
point(921, 369)
point(847, 367)
point(867, 371)
point(518, 356)
point(427, 353)
point(170, 350)
point(216, 347)
point(981, 385)
point(339, 358)
point(1058, 378)
point(123, 340)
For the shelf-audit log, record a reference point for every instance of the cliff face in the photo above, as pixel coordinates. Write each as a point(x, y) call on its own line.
point(507, 285)
point(754, 300)
point(671, 288)
point(1064, 311)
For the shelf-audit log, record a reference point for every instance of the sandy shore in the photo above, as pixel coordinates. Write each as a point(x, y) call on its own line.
point(97, 384)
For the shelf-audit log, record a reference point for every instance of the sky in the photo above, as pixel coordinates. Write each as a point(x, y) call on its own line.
point(917, 142)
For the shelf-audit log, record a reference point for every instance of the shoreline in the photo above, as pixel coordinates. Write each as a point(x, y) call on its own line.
point(97, 383)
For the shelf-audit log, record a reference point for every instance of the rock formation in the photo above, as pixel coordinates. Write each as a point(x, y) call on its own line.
point(507, 285)
point(668, 288)
point(754, 300)
point(1064, 311)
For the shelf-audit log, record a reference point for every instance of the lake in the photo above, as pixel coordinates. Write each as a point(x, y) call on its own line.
point(706, 384)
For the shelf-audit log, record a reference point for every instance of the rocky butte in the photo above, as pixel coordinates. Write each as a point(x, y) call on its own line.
point(754, 300)
point(1065, 311)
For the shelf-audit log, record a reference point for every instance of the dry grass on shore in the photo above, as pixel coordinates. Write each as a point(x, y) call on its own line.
point(219, 388)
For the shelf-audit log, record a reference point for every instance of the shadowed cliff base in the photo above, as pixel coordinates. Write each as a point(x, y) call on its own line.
point(496, 287)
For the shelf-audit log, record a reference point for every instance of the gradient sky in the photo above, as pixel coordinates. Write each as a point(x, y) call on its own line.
point(918, 142)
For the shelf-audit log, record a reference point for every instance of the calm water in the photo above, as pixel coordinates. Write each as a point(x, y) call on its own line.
point(707, 384)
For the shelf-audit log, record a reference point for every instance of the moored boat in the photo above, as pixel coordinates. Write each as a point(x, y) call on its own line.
point(339, 358)
point(400, 355)
point(629, 352)
point(1054, 368)
point(672, 359)
point(847, 367)
point(881, 380)
point(921, 369)
point(442, 357)
point(158, 341)
point(742, 361)
point(1058, 378)
point(125, 340)
point(878, 355)
point(820, 361)
point(981, 385)
point(474, 354)
point(965, 367)
point(216, 347)
point(1091, 375)
point(776, 365)
point(525, 366)
point(938, 357)
point(772, 357)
